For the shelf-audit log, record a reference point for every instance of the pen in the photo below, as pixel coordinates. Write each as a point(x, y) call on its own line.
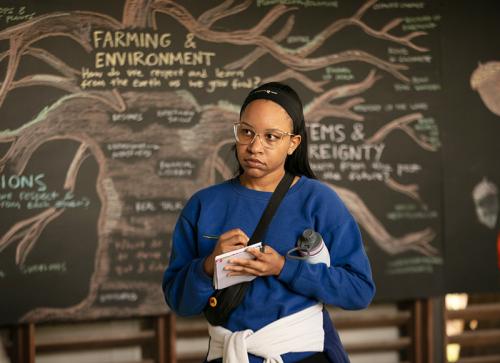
point(209, 236)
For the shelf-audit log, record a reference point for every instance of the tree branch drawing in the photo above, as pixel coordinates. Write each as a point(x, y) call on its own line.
point(315, 86)
point(83, 116)
point(321, 107)
point(296, 59)
point(402, 123)
point(75, 25)
point(28, 231)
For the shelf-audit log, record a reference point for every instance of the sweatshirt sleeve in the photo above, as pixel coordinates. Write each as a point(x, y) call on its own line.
point(347, 283)
point(186, 286)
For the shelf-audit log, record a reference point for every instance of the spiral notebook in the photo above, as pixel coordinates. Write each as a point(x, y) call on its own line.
point(221, 280)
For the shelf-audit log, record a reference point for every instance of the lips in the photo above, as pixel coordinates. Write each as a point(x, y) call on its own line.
point(254, 163)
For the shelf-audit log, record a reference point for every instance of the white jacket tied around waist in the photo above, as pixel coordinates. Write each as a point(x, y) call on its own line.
point(299, 332)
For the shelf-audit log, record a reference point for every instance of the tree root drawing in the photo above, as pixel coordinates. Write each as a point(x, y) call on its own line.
point(111, 184)
point(27, 232)
point(409, 190)
point(419, 241)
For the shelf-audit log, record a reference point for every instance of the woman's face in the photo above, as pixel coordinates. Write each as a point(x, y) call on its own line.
point(257, 159)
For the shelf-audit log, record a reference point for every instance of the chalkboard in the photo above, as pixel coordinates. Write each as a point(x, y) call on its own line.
point(113, 113)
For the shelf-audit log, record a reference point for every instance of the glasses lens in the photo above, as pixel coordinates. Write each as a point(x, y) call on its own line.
point(243, 134)
point(246, 135)
point(272, 138)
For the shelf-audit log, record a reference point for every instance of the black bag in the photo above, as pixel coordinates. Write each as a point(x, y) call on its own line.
point(223, 302)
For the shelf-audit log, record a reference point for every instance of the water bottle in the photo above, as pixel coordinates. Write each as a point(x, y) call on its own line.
point(311, 248)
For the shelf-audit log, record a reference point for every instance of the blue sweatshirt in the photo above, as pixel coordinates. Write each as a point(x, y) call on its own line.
point(347, 283)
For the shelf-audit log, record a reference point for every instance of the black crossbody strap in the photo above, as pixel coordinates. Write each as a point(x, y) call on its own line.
point(223, 302)
point(272, 205)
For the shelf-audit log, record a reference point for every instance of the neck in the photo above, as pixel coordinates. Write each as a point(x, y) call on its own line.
point(267, 183)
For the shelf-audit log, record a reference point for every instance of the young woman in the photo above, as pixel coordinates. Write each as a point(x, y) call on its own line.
point(281, 316)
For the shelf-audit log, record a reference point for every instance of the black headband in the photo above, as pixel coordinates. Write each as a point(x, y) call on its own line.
point(279, 96)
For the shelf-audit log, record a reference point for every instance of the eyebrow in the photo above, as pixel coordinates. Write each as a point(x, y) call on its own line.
point(246, 123)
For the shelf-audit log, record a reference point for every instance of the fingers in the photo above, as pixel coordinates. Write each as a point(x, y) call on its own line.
point(234, 232)
point(228, 241)
point(246, 262)
point(242, 266)
point(245, 272)
point(265, 263)
point(232, 240)
point(262, 254)
point(256, 269)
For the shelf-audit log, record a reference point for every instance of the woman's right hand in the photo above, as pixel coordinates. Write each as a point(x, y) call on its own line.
point(228, 241)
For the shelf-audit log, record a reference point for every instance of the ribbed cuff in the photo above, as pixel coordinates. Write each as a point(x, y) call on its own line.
point(205, 281)
point(290, 269)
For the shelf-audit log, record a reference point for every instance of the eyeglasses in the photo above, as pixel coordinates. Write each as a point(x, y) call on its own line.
point(270, 139)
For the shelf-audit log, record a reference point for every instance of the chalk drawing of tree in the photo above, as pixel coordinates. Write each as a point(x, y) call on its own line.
point(83, 116)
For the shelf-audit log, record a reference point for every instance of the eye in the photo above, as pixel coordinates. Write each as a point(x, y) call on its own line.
point(272, 136)
point(247, 132)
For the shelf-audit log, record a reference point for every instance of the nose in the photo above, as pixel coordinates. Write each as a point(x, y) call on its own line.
point(255, 146)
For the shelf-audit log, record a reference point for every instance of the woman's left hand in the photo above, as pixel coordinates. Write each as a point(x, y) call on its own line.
point(267, 263)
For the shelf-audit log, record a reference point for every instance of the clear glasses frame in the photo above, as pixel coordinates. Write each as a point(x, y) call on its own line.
point(270, 139)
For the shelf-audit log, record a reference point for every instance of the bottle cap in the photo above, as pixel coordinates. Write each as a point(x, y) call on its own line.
point(309, 240)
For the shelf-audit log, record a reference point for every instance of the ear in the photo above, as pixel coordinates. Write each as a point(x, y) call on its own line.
point(294, 143)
